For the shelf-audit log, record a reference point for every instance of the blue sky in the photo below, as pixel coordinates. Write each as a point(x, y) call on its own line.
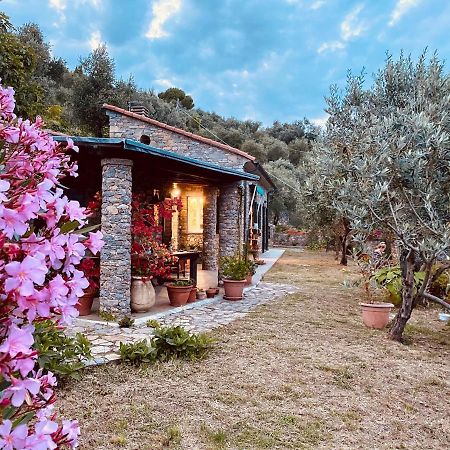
point(264, 60)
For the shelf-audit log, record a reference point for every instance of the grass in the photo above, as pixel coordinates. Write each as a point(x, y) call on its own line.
point(298, 373)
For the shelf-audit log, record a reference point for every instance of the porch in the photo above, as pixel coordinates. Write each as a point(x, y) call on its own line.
point(211, 221)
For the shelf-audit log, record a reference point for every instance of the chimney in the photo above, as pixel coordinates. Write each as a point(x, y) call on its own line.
point(138, 108)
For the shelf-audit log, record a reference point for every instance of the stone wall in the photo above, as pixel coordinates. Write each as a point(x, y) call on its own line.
point(121, 126)
point(115, 259)
point(230, 220)
point(289, 240)
point(210, 244)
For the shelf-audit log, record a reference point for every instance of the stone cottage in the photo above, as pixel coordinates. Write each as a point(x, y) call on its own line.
point(224, 192)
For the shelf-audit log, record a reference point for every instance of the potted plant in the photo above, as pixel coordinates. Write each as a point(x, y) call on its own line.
point(374, 314)
point(193, 294)
point(179, 292)
point(201, 294)
point(211, 292)
point(234, 271)
point(91, 269)
point(251, 271)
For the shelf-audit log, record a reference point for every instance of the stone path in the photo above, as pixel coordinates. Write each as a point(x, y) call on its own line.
point(106, 338)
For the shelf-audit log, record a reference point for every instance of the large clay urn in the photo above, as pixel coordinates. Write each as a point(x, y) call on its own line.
point(143, 295)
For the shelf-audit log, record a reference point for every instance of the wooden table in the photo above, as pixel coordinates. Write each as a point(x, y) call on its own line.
point(192, 257)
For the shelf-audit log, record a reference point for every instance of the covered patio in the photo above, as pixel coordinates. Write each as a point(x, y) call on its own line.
point(208, 226)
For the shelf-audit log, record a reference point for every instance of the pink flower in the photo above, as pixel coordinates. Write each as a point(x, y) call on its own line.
point(12, 222)
point(75, 211)
point(19, 389)
point(78, 283)
point(4, 187)
point(19, 341)
point(71, 146)
point(12, 439)
point(43, 192)
point(10, 134)
point(7, 102)
point(71, 429)
point(95, 242)
point(24, 274)
point(41, 439)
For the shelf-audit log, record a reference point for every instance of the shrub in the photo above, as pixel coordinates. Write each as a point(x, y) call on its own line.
point(59, 353)
point(126, 322)
point(137, 352)
point(234, 267)
point(167, 343)
point(182, 283)
point(152, 323)
point(177, 342)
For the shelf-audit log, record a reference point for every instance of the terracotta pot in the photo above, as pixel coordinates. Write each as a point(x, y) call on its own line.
point(248, 280)
point(211, 292)
point(233, 289)
point(143, 295)
point(192, 295)
point(84, 304)
point(201, 295)
point(376, 315)
point(178, 295)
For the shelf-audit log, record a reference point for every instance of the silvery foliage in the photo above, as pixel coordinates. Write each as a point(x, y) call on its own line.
point(385, 160)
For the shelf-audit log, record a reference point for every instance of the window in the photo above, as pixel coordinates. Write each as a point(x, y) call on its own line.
point(195, 214)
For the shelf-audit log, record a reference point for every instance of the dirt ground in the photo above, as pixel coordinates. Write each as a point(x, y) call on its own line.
point(298, 373)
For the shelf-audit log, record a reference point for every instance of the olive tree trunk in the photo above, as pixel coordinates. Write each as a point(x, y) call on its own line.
point(344, 241)
point(407, 262)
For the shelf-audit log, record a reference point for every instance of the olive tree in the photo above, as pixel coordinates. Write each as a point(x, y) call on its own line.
point(396, 174)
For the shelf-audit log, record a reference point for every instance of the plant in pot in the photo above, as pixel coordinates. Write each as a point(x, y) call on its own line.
point(193, 294)
point(150, 258)
point(252, 266)
point(374, 314)
point(90, 266)
point(201, 294)
point(179, 292)
point(234, 270)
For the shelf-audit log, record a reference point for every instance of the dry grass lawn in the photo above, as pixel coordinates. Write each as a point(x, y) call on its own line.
point(298, 373)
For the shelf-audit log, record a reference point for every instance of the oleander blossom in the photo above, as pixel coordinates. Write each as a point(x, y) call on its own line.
point(39, 276)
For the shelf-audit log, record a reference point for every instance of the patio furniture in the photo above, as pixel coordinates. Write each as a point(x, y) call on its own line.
point(192, 257)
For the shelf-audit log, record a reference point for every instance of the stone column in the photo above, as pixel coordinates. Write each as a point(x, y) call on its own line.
point(115, 260)
point(210, 253)
point(230, 223)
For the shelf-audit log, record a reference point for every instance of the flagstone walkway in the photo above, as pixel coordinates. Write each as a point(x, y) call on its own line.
point(105, 338)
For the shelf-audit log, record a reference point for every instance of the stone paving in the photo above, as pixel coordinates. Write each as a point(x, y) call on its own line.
point(105, 338)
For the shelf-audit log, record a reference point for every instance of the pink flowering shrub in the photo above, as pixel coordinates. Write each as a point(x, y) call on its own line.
point(41, 245)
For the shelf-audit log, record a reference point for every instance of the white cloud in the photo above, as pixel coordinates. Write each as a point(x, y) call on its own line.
point(162, 11)
point(331, 46)
point(320, 121)
point(401, 8)
point(59, 5)
point(351, 27)
point(95, 40)
point(164, 82)
point(317, 4)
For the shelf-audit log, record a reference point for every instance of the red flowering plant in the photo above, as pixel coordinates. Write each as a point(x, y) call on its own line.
point(90, 266)
point(149, 256)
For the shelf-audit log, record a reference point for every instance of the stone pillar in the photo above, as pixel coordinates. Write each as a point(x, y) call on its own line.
point(115, 260)
point(230, 223)
point(210, 253)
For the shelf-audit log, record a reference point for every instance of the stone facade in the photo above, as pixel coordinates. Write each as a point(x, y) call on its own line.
point(122, 126)
point(230, 219)
point(210, 251)
point(115, 261)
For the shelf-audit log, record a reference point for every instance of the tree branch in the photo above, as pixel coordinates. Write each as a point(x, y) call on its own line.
point(435, 299)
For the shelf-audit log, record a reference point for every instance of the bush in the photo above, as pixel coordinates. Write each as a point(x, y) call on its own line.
point(167, 343)
point(234, 267)
point(177, 342)
point(126, 322)
point(59, 353)
point(152, 323)
point(137, 352)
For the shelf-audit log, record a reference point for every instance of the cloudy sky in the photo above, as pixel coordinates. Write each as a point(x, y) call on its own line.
point(260, 59)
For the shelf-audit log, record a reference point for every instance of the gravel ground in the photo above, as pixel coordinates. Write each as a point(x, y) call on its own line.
point(301, 372)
